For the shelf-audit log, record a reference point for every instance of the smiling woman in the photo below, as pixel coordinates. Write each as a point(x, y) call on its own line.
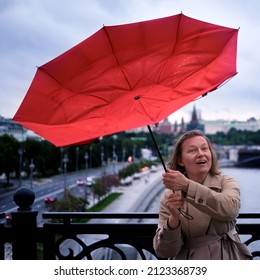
point(195, 185)
point(196, 158)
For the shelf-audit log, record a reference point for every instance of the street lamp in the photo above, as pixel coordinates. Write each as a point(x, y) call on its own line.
point(134, 151)
point(102, 155)
point(86, 158)
point(86, 190)
point(65, 161)
point(90, 156)
point(61, 160)
point(31, 173)
point(20, 152)
point(115, 159)
point(123, 154)
point(77, 159)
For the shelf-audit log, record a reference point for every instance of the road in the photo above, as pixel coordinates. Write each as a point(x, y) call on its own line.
point(148, 195)
point(48, 187)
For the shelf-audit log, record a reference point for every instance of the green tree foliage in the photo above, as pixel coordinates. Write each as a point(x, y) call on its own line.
point(103, 185)
point(48, 158)
point(236, 137)
point(68, 203)
point(134, 168)
point(9, 158)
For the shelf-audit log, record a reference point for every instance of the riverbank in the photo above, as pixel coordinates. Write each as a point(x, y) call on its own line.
point(136, 197)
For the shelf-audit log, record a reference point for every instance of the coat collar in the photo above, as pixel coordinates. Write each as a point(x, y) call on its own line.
point(213, 182)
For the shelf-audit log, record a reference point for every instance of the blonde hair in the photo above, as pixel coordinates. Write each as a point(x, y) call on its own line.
point(177, 152)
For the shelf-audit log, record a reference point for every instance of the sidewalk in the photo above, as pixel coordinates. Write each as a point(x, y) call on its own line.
point(133, 196)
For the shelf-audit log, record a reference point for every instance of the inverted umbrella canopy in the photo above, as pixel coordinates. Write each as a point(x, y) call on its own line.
point(127, 76)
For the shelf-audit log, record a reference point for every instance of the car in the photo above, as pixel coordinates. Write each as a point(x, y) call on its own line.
point(90, 180)
point(80, 182)
point(48, 200)
point(127, 181)
point(154, 168)
point(8, 218)
point(137, 176)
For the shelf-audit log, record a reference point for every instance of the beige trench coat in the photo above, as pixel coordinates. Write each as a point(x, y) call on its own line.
point(211, 235)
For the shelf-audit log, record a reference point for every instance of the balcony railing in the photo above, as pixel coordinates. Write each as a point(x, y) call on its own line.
point(78, 235)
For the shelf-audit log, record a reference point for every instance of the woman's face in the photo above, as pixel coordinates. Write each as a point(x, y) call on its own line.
point(196, 158)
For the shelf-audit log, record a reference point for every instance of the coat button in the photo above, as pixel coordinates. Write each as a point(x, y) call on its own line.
point(200, 200)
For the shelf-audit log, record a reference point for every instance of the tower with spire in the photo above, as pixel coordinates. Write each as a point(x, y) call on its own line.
point(195, 122)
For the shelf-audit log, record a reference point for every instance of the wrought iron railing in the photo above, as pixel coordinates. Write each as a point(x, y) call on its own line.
point(99, 239)
point(74, 235)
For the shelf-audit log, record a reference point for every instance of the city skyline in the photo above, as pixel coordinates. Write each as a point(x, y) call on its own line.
point(186, 116)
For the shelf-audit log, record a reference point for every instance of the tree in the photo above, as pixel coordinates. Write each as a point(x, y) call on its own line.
point(9, 160)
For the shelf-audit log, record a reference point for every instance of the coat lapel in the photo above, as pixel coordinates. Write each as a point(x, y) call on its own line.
point(200, 223)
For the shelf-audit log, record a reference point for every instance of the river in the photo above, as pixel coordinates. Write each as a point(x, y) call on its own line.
point(248, 179)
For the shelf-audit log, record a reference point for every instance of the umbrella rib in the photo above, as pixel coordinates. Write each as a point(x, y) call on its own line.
point(113, 51)
point(41, 68)
point(177, 33)
point(47, 73)
point(208, 63)
point(173, 47)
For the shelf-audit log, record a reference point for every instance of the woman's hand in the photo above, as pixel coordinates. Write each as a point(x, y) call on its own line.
point(174, 202)
point(175, 180)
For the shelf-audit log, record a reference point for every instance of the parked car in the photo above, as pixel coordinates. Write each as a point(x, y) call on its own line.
point(127, 181)
point(154, 168)
point(137, 176)
point(91, 180)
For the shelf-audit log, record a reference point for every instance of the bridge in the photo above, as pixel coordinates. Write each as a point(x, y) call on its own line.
point(129, 238)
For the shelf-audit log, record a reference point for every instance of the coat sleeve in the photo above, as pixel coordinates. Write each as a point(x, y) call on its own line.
point(221, 203)
point(167, 242)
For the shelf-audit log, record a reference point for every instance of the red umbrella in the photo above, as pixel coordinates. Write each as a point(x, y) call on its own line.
point(127, 76)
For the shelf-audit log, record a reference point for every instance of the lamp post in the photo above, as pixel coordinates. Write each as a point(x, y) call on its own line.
point(61, 160)
point(90, 156)
point(31, 173)
point(102, 159)
point(86, 158)
point(134, 151)
point(20, 152)
point(85, 188)
point(65, 161)
point(102, 155)
point(123, 154)
point(115, 159)
point(77, 159)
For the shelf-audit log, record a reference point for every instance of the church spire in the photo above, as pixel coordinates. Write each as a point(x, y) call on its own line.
point(194, 116)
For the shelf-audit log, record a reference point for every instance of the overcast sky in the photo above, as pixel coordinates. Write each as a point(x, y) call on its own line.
point(35, 31)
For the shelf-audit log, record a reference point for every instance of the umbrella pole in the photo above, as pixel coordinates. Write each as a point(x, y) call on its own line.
point(157, 148)
point(185, 214)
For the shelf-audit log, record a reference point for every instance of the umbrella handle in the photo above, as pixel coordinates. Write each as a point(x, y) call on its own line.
point(185, 214)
